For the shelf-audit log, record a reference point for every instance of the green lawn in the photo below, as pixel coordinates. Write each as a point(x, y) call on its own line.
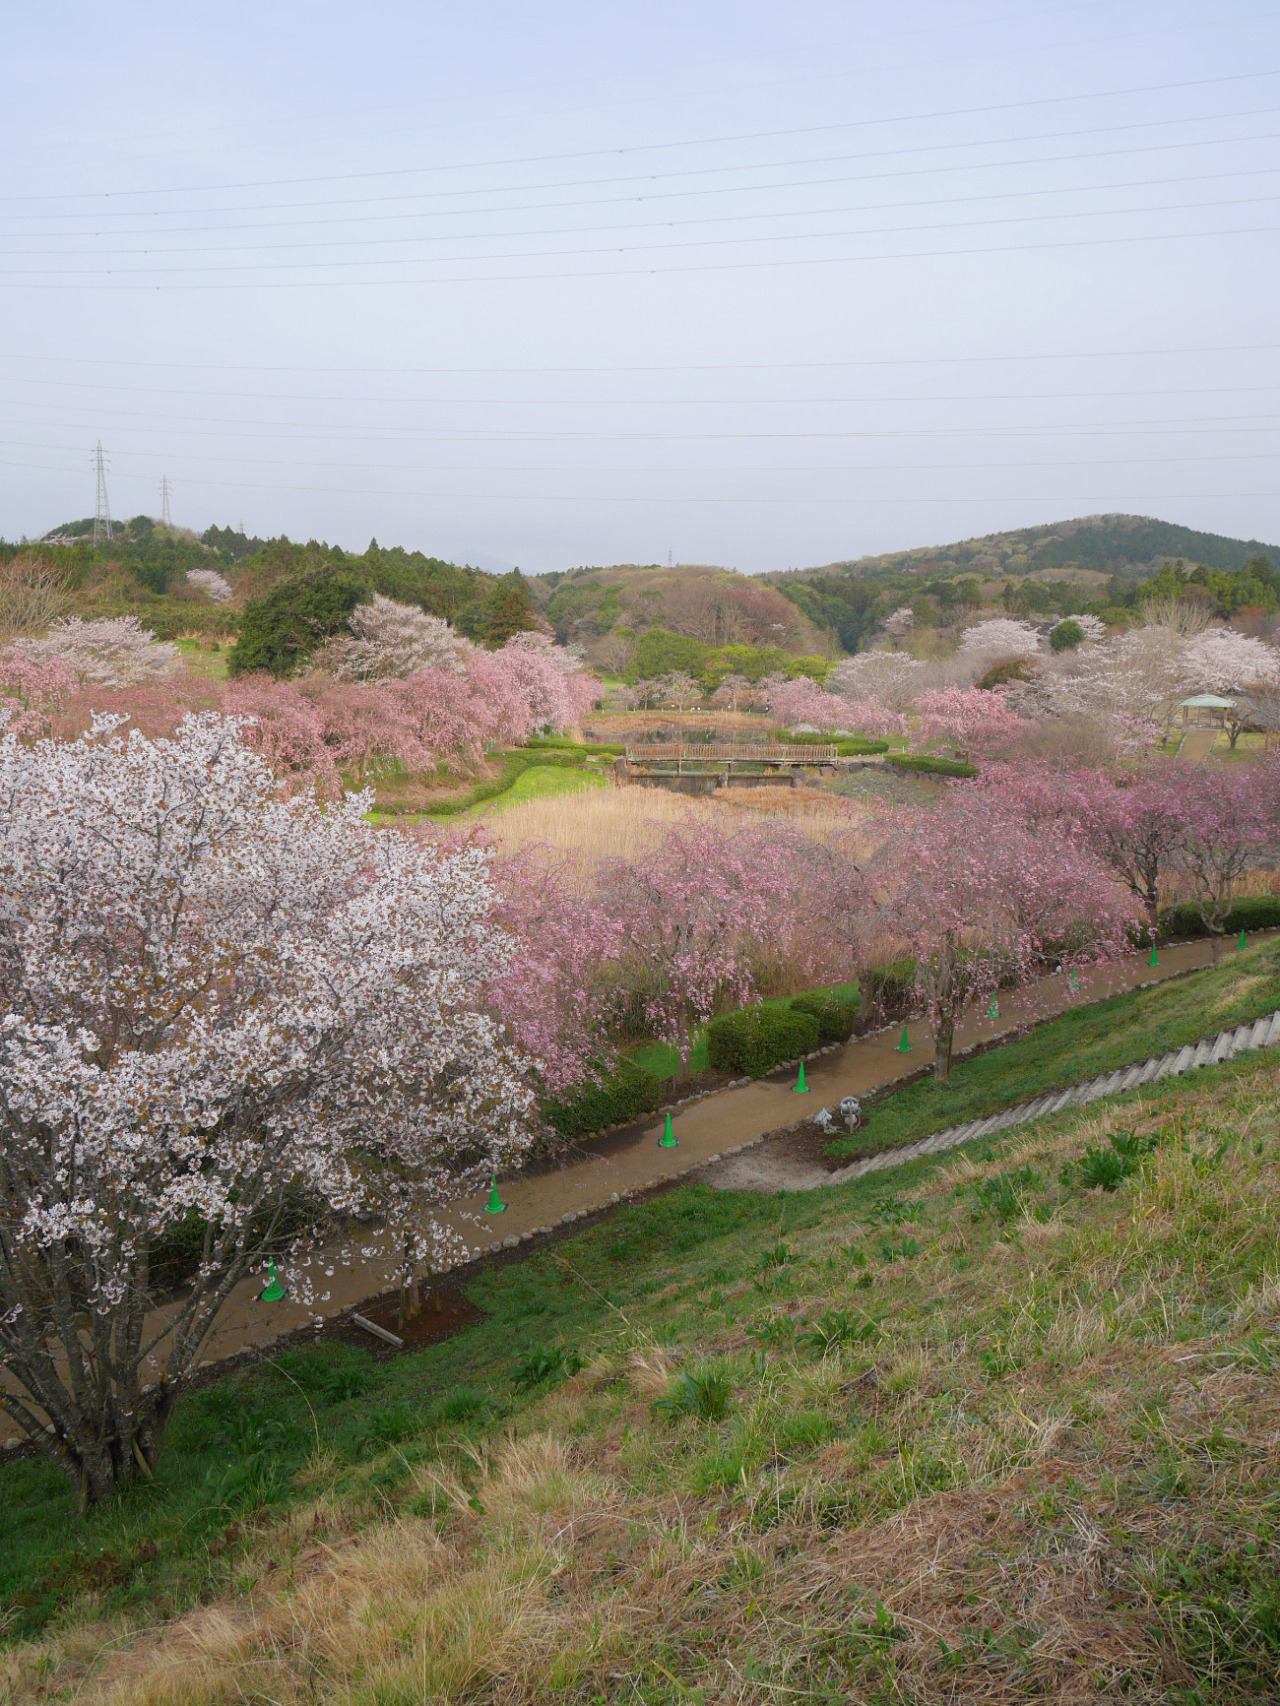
point(1076, 1046)
point(201, 661)
point(540, 783)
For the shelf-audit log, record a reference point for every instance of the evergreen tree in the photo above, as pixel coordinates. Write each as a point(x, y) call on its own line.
point(279, 631)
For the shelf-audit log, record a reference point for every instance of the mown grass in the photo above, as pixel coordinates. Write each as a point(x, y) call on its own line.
point(971, 1433)
point(1077, 1045)
point(541, 784)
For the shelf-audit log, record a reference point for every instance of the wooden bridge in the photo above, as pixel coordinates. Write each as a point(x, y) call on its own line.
point(731, 753)
point(702, 766)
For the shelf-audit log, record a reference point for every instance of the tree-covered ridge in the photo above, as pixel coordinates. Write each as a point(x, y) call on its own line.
point(1128, 546)
point(145, 571)
point(1097, 565)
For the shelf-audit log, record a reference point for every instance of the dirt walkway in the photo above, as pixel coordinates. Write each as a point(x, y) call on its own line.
point(1197, 744)
point(707, 1129)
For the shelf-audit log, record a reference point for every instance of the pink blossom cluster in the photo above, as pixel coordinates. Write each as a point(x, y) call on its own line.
point(1202, 825)
point(317, 729)
point(967, 716)
point(978, 896)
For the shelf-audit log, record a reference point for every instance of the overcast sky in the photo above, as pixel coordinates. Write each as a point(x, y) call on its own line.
point(744, 283)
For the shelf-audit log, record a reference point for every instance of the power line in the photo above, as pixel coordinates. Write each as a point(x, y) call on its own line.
point(664, 367)
point(664, 248)
point(869, 400)
point(580, 497)
point(704, 220)
point(661, 147)
point(700, 470)
point(675, 195)
point(89, 280)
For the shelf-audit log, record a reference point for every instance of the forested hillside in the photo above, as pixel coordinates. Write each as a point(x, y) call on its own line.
point(1103, 565)
point(177, 582)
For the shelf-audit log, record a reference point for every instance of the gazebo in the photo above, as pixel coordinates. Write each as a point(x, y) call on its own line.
point(1206, 710)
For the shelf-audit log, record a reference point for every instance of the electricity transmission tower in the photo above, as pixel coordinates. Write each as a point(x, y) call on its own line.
point(165, 517)
point(102, 511)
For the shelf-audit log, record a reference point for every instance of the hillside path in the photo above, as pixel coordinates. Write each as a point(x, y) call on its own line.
point(706, 1129)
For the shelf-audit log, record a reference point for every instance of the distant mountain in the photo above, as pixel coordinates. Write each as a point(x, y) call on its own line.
point(1127, 547)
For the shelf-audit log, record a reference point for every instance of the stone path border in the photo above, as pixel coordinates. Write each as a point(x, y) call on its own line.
point(732, 1174)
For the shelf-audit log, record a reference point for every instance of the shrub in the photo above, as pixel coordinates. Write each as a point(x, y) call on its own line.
point(926, 766)
point(1009, 669)
point(1257, 912)
point(757, 1039)
point(836, 1018)
point(625, 1093)
point(888, 992)
point(1065, 636)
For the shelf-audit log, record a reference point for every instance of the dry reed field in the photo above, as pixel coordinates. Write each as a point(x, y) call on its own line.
point(627, 823)
point(988, 1432)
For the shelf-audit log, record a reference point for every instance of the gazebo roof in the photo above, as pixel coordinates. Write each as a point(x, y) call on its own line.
point(1209, 701)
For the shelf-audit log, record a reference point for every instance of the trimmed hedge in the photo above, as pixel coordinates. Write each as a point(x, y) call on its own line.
point(1257, 912)
point(757, 1039)
point(923, 765)
point(625, 1093)
point(836, 1018)
point(847, 746)
point(888, 992)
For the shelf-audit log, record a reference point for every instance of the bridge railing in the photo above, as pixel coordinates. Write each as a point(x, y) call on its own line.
point(740, 752)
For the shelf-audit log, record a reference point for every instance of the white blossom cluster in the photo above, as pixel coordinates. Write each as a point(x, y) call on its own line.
point(1002, 636)
point(211, 583)
point(1093, 628)
point(390, 641)
point(218, 1001)
point(113, 651)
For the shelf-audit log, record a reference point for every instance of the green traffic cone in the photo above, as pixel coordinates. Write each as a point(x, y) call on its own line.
point(668, 1140)
point(273, 1291)
point(1240, 943)
point(904, 1047)
point(993, 1011)
point(1155, 958)
point(802, 1088)
point(495, 1204)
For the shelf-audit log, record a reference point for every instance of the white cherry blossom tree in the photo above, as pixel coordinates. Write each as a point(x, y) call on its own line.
point(259, 1017)
point(113, 651)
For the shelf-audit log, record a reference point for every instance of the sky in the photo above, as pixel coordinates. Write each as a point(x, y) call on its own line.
point(575, 284)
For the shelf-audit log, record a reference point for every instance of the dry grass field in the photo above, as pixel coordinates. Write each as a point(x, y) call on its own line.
point(627, 823)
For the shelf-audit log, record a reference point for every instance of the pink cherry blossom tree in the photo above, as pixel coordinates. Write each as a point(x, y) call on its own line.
point(697, 910)
point(967, 716)
point(224, 1005)
point(799, 702)
point(978, 900)
point(556, 995)
point(34, 692)
point(1227, 825)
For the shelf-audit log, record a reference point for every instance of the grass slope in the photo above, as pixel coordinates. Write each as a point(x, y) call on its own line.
point(976, 1432)
point(1078, 1045)
point(541, 784)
